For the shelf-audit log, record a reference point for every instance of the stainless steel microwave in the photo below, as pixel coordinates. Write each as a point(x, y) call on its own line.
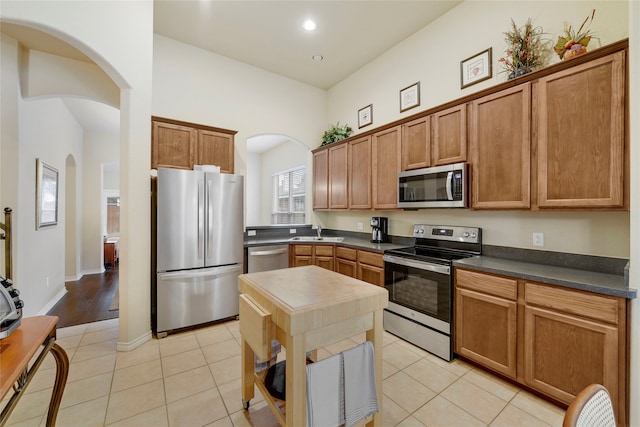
point(436, 187)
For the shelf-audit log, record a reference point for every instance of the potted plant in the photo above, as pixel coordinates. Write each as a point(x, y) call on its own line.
point(524, 51)
point(336, 133)
point(574, 43)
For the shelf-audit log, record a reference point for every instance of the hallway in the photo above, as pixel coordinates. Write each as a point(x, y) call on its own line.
point(88, 300)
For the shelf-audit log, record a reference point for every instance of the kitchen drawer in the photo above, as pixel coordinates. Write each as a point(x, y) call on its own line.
point(257, 329)
point(488, 284)
point(302, 250)
point(370, 258)
point(324, 250)
point(346, 253)
point(586, 304)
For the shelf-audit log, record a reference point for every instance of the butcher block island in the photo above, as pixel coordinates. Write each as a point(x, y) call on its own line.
point(304, 308)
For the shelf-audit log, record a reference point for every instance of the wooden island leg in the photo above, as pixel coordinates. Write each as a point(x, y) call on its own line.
point(375, 336)
point(248, 369)
point(296, 381)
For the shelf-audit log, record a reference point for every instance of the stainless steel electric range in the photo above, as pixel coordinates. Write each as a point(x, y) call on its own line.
point(420, 284)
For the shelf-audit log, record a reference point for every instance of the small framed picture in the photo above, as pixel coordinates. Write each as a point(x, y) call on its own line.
point(365, 116)
point(476, 69)
point(46, 195)
point(410, 97)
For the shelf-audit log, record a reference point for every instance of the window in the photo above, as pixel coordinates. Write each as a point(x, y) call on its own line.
point(289, 197)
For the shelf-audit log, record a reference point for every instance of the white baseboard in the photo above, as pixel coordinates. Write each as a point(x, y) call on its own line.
point(95, 271)
point(132, 345)
point(73, 278)
point(53, 302)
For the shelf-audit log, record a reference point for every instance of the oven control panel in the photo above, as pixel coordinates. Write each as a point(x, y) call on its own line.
point(447, 232)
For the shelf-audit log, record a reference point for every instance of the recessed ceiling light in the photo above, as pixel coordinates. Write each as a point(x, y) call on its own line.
point(309, 25)
point(317, 58)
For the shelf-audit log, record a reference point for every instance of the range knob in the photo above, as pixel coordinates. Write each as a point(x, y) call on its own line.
point(465, 234)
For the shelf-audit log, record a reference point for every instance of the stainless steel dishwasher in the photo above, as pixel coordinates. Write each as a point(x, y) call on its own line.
point(265, 258)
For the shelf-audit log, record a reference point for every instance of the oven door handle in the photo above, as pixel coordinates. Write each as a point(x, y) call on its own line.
point(442, 269)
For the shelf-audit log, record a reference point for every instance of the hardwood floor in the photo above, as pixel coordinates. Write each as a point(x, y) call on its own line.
point(88, 299)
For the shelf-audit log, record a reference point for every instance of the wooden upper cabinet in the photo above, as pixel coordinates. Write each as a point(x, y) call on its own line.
point(386, 166)
point(182, 145)
point(416, 144)
point(321, 179)
point(449, 142)
point(173, 146)
point(216, 148)
point(338, 195)
point(360, 173)
point(581, 136)
point(500, 149)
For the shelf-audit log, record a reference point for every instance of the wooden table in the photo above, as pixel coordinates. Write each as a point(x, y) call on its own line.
point(17, 350)
point(306, 308)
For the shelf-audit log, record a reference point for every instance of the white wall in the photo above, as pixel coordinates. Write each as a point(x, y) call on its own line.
point(201, 87)
point(253, 201)
point(118, 37)
point(9, 138)
point(99, 148)
point(47, 131)
point(432, 56)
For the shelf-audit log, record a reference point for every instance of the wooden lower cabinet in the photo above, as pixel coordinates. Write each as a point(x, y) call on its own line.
point(300, 255)
point(551, 339)
point(481, 300)
point(370, 267)
point(363, 265)
point(346, 261)
point(320, 255)
point(323, 256)
point(573, 339)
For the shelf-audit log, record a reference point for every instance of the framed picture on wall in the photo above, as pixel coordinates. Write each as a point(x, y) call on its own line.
point(46, 195)
point(365, 116)
point(410, 97)
point(476, 69)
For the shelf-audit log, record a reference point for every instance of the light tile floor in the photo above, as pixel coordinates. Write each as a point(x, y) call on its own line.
point(193, 379)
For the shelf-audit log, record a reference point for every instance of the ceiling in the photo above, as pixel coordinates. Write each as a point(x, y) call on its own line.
point(268, 35)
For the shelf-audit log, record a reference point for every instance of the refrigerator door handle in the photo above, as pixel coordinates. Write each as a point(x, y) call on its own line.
point(201, 224)
point(207, 272)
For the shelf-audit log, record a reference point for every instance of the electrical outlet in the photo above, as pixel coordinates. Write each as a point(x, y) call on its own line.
point(360, 226)
point(251, 233)
point(538, 239)
point(292, 231)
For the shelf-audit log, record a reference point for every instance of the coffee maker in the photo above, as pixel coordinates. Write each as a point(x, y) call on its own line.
point(379, 229)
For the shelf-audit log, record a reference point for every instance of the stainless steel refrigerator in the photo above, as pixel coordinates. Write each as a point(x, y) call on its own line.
point(199, 247)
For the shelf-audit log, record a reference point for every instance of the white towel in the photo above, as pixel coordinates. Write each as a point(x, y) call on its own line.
point(360, 394)
point(325, 398)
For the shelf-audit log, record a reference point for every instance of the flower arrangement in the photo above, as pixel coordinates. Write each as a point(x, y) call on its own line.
point(574, 43)
point(336, 133)
point(525, 49)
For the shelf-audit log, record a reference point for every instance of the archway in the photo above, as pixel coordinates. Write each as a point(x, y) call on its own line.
point(268, 154)
point(118, 38)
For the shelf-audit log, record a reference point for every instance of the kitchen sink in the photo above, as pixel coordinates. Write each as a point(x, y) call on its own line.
point(316, 239)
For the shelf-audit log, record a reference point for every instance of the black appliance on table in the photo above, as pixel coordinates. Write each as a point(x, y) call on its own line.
point(420, 284)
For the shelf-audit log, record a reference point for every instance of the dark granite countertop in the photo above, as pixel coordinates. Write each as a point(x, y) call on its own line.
point(602, 283)
point(352, 242)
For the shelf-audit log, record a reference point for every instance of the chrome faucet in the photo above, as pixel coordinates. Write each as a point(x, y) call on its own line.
point(319, 231)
